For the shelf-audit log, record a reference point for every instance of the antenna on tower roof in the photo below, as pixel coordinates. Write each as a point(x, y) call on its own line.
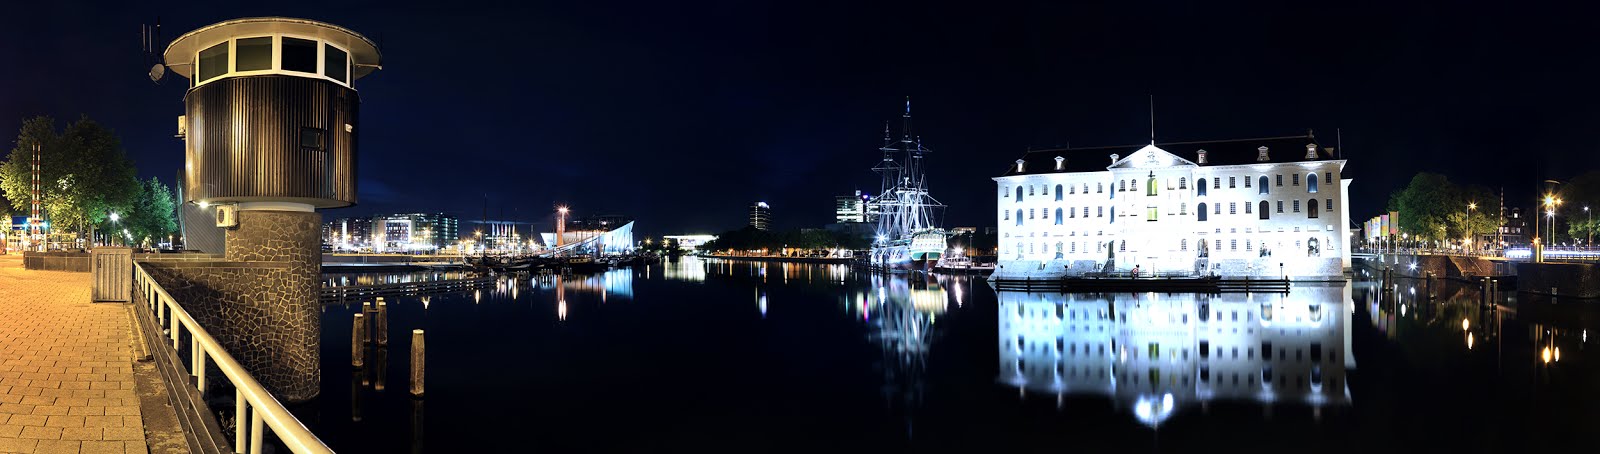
point(1152, 119)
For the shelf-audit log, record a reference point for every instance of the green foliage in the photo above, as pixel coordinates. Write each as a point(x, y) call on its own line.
point(1583, 191)
point(748, 238)
point(1433, 208)
point(154, 215)
point(85, 175)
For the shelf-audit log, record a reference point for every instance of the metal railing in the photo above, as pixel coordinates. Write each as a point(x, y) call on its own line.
point(248, 393)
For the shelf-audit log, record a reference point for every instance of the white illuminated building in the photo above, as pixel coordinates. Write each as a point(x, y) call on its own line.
point(1260, 207)
point(1154, 354)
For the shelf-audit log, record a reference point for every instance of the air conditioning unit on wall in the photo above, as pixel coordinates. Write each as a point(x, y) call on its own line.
point(227, 216)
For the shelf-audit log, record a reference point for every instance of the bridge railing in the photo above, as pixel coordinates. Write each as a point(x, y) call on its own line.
point(249, 395)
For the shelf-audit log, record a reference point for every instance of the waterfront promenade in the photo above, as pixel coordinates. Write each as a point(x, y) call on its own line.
point(68, 380)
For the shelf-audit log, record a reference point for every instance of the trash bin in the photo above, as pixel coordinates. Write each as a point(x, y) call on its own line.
point(112, 270)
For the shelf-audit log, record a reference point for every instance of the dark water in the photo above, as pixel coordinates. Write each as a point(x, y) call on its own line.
point(734, 356)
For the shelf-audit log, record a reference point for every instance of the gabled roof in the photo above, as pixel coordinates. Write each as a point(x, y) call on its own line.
point(1218, 153)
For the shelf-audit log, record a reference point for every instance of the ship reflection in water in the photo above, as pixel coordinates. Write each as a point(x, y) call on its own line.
point(1156, 355)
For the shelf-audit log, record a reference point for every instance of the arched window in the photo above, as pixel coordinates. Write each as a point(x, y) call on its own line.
point(1058, 193)
point(1019, 193)
point(1312, 207)
point(1150, 187)
point(1113, 217)
point(1311, 183)
point(1202, 211)
point(1058, 215)
point(1183, 183)
point(1263, 209)
point(1122, 186)
point(1019, 217)
point(1201, 186)
point(1262, 185)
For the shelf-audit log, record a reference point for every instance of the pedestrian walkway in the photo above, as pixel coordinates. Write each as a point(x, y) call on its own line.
point(66, 366)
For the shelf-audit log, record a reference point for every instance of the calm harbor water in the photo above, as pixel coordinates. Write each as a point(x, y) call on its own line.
point(720, 355)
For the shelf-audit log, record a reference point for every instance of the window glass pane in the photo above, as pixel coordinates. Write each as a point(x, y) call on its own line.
point(213, 61)
point(299, 55)
point(311, 138)
point(333, 63)
point(254, 54)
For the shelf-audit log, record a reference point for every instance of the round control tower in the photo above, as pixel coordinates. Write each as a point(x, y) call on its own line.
point(270, 131)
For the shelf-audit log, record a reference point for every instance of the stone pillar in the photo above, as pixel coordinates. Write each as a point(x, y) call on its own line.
point(278, 344)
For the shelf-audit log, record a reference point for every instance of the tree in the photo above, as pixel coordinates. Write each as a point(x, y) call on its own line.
point(1425, 206)
point(154, 215)
point(84, 176)
point(1580, 192)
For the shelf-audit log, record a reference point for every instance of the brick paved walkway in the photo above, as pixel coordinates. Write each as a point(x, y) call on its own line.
point(66, 377)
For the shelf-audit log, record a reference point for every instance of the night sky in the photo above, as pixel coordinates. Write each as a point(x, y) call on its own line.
point(684, 115)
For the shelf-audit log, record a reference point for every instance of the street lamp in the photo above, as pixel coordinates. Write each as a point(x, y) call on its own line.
point(1590, 240)
point(1471, 206)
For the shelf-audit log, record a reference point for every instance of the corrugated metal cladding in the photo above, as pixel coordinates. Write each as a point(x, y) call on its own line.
point(245, 141)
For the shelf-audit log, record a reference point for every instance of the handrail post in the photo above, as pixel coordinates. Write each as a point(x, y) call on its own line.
point(174, 331)
point(255, 431)
point(238, 420)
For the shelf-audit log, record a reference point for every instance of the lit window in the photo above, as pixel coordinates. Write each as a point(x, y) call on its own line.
point(1152, 215)
point(1058, 193)
point(299, 55)
point(1151, 189)
point(254, 54)
point(1311, 183)
point(1058, 216)
point(213, 62)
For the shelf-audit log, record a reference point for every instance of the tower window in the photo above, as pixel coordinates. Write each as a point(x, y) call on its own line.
point(335, 63)
point(254, 54)
point(299, 55)
point(213, 62)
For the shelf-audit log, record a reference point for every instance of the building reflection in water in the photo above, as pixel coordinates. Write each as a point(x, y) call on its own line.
point(612, 283)
point(1156, 354)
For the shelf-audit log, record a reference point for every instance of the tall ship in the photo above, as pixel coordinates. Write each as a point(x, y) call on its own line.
point(908, 234)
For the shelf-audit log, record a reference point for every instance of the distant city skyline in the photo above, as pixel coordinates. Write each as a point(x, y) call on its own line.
point(615, 110)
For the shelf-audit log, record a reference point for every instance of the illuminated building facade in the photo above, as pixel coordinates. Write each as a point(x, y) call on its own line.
point(594, 235)
point(348, 234)
point(1155, 354)
point(393, 233)
point(690, 242)
point(1257, 207)
point(761, 216)
point(851, 208)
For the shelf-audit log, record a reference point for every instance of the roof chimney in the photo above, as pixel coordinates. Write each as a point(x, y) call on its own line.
point(1115, 157)
point(1311, 151)
point(1261, 154)
point(1020, 167)
point(1061, 163)
point(1202, 156)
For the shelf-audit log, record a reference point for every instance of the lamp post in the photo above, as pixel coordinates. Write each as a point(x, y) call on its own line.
point(1589, 241)
point(1471, 207)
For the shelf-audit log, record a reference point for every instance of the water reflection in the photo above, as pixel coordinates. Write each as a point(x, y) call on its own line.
point(1156, 354)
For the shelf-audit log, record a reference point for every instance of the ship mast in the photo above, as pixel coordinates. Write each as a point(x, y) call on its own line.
point(903, 203)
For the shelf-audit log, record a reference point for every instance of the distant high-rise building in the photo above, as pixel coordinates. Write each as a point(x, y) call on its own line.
point(761, 216)
point(850, 208)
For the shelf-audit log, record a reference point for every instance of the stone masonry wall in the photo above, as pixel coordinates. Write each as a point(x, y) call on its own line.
point(261, 302)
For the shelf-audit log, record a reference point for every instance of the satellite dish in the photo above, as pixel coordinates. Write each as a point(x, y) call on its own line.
point(156, 72)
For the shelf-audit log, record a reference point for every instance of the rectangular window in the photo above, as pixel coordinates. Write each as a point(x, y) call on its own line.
point(311, 138)
point(1007, 214)
point(1216, 209)
point(1233, 208)
point(335, 63)
point(299, 55)
point(1233, 245)
point(1247, 182)
point(1247, 205)
point(1218, 245)
point(1152, 216)
point(1216, 183)
point(255, 54)
point(1183, 208)
point(1297, 206)
point(213, 62)
point(1099, 212)
point(1295, 179)
point(1030, 189)
point(1030, 213)
point(1327, 177)
point(1280, 180)
point(1280, 206)
point(1247, 245)
point(1328, 206)
point(1232, 181)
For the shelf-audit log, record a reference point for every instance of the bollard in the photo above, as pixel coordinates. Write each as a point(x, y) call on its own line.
point(417, 356)
point(382, 323)
point(357, 325)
